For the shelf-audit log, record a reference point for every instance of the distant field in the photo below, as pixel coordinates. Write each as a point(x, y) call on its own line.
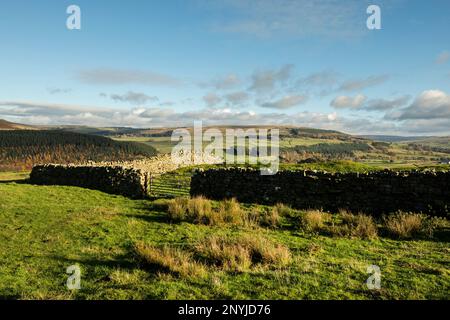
point(161, 144)
point(47, 229)
point(11, 176)
point(164, 144)
point(292, 142)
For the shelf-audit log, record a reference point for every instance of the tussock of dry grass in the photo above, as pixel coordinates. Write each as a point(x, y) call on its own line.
point(364, 227)
point(283, 210)
point(239, 254)
point(313, 220)
point(228, 255)
point(404, 225)
point(171, 260)
point(199, 210)
point(359, 226)
point(220, 252)
point(231, 212)
point(272, 218)
point(198, 207)
point(270, 253)
point(177, 209)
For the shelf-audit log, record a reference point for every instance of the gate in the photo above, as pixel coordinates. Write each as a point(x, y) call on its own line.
point(169, 185)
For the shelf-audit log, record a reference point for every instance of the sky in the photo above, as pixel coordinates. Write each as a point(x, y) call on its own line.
point(162, 63)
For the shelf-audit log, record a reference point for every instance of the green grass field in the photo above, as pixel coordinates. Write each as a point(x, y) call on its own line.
point(45, 229)
point(161, 144)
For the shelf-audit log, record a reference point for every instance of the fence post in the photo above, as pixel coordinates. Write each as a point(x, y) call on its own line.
point(151, 182)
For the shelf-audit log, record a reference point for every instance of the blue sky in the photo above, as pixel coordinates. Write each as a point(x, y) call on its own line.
point(168, 63)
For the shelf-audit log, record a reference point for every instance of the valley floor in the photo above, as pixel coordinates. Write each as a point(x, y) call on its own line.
point(44, 230)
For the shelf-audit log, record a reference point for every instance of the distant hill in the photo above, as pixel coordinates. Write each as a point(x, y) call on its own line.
point(21, 149)
point(433, 141)
point(99, 131)
point(285, 132)
point(385, 138)
point(6, 125)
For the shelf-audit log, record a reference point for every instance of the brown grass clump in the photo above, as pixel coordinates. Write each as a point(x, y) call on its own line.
point(199, 207)
point(313, 220)
point(200, 210)
point(271, 218)
point(359, 226)
point(346, 216)
point(431, 224)
point(197, 210)
point(220, 251)
point(364, 227)
point(170, 259)
point(267, 251)
point(241, 253)
point(283, 210)
point(177, 209)
point(231, 212)
point(404, 225)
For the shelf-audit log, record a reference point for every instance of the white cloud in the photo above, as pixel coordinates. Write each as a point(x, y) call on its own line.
point(320, 79)
point(359, 84)
point(132, 97)
point(47, 109)
point(343, 102)
point(237, 98)
point(58, 90)
point(112, 76)
point(267, 80)
point(285, 102)
point(212, 99)
point(386, 104)
point(430, 104)
point(228, 82)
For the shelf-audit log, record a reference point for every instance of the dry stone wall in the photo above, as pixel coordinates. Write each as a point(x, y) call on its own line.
point(373, 193)
point(115, 180)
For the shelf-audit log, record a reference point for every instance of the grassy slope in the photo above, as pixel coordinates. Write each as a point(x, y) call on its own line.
point(162, 144)
point(43, 230)
point(6, 125)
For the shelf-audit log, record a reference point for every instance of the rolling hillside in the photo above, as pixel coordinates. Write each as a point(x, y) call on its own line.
point(21, 149)
point(6, 125)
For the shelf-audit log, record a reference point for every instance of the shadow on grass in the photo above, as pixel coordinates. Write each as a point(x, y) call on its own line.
point(153, 217)
point(440, 235)
point(9, 297)
point(125, 261)
point(18, 181)
point(153, 212)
